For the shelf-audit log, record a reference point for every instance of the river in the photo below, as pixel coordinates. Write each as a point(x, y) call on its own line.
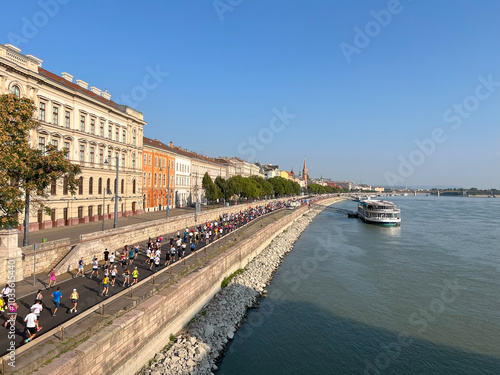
point(355, 298)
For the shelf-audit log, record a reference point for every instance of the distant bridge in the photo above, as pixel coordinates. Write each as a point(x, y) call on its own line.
point(349, 213)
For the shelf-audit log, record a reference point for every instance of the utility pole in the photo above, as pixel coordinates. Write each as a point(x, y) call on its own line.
point(115, 224)
point(26, 238)
point(168, 189)
point(196, 197)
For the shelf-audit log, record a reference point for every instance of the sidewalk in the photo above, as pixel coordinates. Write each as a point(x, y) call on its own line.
point(73, 232)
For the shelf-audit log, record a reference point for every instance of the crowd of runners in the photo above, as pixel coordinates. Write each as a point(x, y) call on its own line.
point(120, 268)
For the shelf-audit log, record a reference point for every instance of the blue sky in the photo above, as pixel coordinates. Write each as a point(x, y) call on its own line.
point(233, 68)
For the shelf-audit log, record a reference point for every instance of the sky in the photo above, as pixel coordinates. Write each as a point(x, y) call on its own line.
point(376, 92)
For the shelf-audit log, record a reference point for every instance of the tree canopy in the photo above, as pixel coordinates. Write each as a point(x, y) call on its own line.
point(25, 172)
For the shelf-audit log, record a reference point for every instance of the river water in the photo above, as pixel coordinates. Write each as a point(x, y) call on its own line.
point(355, 298)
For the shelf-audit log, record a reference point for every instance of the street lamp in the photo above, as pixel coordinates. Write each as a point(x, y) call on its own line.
point(168, 188)
point(115, 224)
point(104, 205)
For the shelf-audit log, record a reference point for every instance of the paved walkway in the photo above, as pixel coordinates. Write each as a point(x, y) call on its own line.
point(89, 289)
point(73, 232)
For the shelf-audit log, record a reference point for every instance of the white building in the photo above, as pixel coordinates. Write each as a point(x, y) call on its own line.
point(182, 180)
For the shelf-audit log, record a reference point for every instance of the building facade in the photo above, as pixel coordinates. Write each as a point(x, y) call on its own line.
point(182, 192)
point(158, 175)
point(101, 136)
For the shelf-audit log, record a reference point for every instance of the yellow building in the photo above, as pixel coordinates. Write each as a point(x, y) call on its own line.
point(92, 127)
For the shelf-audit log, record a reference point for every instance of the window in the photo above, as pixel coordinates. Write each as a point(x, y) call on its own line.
point(53, 189)
point(55, 115)
point(164, 163)
point(164, 179)
point(101, 156)
point(82, 153)
point(133, 137)
point(42, 111)
point(117, 134)
point(123, 160)
point(133, 187)
point(149, 159)
point(110, 131)
point(80, 188)
point(145, 159)
point(133, 161)
point(99, 186)
point(15, 90)
point(149, 179)
point(124, 136)
point(66, 147)
point(155, 179)
point(65, 186)
point(82, 123)
point(115, 187)
point(91, 185)
point(41, 144)
point(67, 121)
point(92, 160)
point(92, 126)
point(110, 161)
point(122, 189)
point(55, 143)
point(101, 129)
point(108, 186)
point(156, 161)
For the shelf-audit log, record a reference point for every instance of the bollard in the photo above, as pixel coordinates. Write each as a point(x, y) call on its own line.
point(131, 294)
point(184, 262)
point(153, 279)
point(102, 308)
point(62, 333)
point(4, 366)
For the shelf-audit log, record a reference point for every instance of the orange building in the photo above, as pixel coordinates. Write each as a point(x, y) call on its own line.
point(158, 162)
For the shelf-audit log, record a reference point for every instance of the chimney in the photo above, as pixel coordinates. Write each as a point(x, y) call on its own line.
point(81, 83)
point(95, 90)
point(67, 76)
point(105, 94)
point(171, 145)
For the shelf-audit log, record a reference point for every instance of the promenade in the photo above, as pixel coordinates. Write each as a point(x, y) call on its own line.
point(89, 289)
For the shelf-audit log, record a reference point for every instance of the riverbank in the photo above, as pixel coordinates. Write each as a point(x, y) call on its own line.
point(197, 348)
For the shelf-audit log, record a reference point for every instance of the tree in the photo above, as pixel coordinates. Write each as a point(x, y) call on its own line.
point(26, 173)
point(212, 191)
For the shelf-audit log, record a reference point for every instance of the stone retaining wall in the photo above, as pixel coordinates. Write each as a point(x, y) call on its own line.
point(46, 256)
point(131, 339)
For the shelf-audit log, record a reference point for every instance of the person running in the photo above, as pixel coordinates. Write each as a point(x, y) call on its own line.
point(167, 260)
point(131, 255)
point(192, 248)
point(31, 326)
point(57, 299)
point(148, 255)
point(74, 300)
point(111, 260)
point(95, 268)
point(12, 314)
point(52, 281)
point(126, 277)
point(135, 276)
point(37, 309)
point(105, 283)
point(136, 250)
point(114, 272)
point(39, 296)
point(106, 256)
point(151, 260)
point(123, 258)
point(157, 263)
point(80, 268)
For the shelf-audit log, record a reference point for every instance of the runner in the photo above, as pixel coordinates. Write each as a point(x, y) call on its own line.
point(31, 326)
point(105, 283)
point(74, 300)
point(126, 275)
point(57, 299)
point(131, 255)
point(52, 281)
point(135, 275)
point(80, 268)
point(39, 296)
point(95, 268)
point(12, 314)
point(37, 309)
point(167, 260)
point(157, 263)
point(111, 259)
point(114, 272)
point(106, 256)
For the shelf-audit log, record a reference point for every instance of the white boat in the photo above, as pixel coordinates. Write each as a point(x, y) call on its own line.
point(379, 212)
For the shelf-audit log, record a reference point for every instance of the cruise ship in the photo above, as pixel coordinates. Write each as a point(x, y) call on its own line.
point(379, 212)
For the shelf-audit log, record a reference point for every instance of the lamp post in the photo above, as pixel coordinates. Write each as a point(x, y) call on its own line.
point(115, 224)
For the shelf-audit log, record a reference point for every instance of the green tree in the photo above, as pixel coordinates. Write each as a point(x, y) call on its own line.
point(26, 173)
point(212, 191)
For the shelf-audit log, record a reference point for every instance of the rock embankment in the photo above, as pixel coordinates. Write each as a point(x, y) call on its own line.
point(197, 348)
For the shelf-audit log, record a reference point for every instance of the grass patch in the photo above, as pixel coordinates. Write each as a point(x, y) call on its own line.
point(230, 277)
point(172, 337)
